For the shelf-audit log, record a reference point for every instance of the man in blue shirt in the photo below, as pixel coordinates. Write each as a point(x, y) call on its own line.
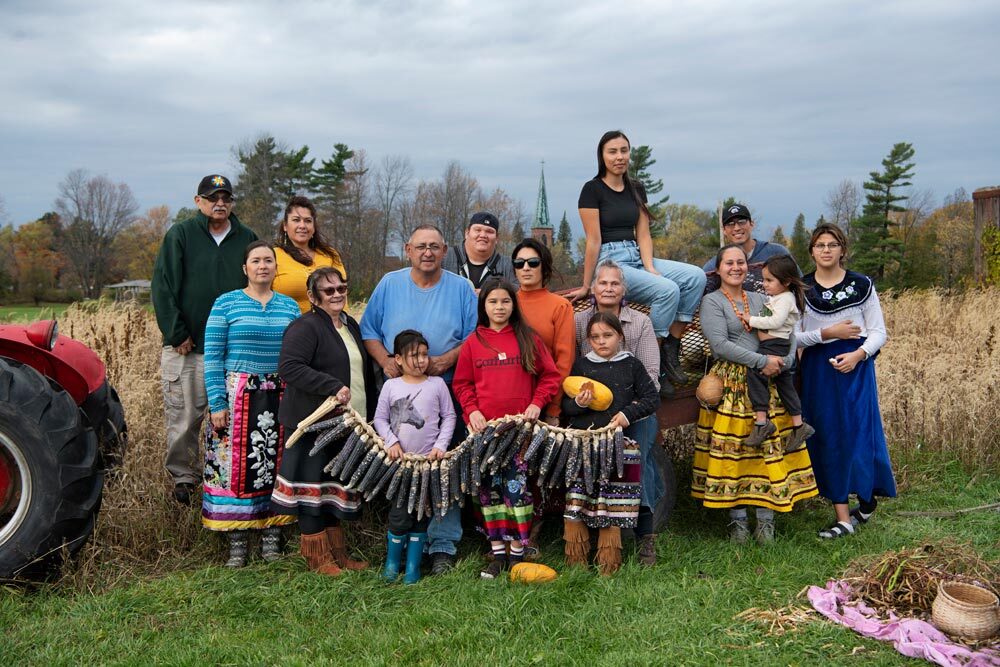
point(442, 306)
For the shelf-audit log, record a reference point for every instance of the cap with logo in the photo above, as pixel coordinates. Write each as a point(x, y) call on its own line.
point(483, 218)
point(735, 212)
point(214, 183)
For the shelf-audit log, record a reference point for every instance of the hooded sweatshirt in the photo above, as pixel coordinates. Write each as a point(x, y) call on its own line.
point(489, 376)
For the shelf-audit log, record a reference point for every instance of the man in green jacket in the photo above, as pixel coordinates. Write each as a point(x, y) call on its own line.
point(199, 259)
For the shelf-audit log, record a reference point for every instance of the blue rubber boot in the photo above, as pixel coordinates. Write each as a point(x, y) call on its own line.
point(393, 555)
point(414, 553)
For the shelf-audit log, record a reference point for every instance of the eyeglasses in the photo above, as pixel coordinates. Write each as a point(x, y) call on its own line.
point(738, 221)
point(533, 262)
point(218, 196)
point(330, 291)
point(825, 246)
point(433, 247)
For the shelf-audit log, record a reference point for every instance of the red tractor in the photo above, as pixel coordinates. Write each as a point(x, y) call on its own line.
point(61, 427)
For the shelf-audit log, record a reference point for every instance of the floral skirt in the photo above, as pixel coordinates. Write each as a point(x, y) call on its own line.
point(725, 474)
point(612, 503)
point(507, 504)
point(241, 461)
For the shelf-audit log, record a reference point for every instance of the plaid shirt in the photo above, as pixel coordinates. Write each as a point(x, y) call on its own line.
point(639, 338)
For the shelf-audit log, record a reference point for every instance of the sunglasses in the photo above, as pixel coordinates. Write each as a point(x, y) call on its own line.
point(533, 262)
point(218, 196)
point(330, 291)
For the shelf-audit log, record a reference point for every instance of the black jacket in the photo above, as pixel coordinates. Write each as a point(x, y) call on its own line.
point(634, 393)
point(315, 366)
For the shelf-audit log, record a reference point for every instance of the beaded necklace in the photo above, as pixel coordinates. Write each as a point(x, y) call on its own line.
point(746, 308)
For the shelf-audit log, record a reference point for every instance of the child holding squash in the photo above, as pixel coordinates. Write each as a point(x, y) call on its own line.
point(607, 386)
point(504, 369)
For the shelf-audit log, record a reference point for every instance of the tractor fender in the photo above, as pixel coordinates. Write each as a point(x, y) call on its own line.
point(70, 363)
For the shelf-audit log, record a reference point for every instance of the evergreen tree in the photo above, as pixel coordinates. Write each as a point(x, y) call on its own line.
point(799, 246)
point(875, 248)
point(779, 237)
point(261, 185)
point(640, 160)
point(518, 232)
point(565, 235)
point(327, 181)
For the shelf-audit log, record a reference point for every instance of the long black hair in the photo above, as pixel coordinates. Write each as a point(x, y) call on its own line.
point(786, 271)
point(317, 242)
point(524, 334)
point(602, 170)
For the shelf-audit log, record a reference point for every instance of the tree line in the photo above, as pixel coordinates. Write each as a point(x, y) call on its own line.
point(96, 236)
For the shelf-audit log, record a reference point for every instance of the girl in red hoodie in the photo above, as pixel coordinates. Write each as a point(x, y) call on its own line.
point(503, 369)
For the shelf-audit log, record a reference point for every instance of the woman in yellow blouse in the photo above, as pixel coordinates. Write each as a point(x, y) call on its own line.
point(300, 250)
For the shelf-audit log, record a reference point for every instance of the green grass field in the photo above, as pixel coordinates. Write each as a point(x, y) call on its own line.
point(26, 313)
point(678, 613)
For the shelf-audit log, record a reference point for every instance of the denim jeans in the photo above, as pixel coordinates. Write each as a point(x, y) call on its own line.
point(672, 296)
point(653, 486)
point(444, 532)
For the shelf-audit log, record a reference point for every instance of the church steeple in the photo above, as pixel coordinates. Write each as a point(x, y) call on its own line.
point(541, 229)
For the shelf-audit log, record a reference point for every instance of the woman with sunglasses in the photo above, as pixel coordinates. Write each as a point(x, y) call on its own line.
point(321, 355)
point(550, 315)
point(616, 223)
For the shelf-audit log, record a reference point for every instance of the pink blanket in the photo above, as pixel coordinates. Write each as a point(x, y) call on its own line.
point(911, 637)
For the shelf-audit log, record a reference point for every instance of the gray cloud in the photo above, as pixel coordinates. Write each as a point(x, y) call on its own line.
point(773, 102)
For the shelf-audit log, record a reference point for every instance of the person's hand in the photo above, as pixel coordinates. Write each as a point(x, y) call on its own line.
point(477, 422)
point(773, 366)
point(220, 420)
point(620, 421)
point(185, 347)
point(532, 412)
point(651, 269)
point(584, 398)
point(435, 454)
point(844, 330)
point(745, 318)
point(395, 452)
point(435, 366)
point(551, 420)
point(344, 395)
point(579, 294)
point(391, 368)
point(848, 361)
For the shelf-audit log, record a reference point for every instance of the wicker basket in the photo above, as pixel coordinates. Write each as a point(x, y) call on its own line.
point(965, 610)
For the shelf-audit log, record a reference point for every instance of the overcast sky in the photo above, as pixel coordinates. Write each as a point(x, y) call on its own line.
point(772, 102)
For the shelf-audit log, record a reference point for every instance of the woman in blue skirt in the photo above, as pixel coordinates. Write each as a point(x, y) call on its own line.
point(842, 331)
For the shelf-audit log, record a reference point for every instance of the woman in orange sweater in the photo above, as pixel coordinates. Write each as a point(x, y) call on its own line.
point(550, 315)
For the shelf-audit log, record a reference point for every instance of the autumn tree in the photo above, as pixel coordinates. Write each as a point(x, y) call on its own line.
point(875, 248)
point(799, 245)
point(843, 203)
point(138, 244)
point(692, 234)
point(8, 263)
point(393, 183)
point(94, 210)
point(37, 260)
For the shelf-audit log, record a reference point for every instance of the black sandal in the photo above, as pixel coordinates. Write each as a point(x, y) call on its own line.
point(838, 529)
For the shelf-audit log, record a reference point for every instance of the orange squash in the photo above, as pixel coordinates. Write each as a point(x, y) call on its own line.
point(532, 573)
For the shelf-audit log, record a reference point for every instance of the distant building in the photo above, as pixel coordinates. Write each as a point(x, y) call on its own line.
point(130, 289)
point(541, 229)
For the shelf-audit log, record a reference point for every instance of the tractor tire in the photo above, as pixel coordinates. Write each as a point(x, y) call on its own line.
point(104, 413)
point(50, 483)
point(663, 509)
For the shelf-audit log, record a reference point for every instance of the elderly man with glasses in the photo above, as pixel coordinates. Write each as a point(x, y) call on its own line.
point(442, 306)
point(199, 259)
point(737, 227)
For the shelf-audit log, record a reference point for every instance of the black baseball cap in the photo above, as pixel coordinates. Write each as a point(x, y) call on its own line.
point(214, 183)
point(736, 211)
point(484, 218)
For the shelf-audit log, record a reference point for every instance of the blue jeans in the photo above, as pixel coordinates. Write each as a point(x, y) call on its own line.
point(672, 296)
point(653, 486)
point(444, 532)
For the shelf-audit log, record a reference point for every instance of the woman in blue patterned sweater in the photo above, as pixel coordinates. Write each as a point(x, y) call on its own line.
point(243, 439)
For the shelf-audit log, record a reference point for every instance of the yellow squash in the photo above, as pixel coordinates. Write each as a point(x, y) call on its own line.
point(574, 384)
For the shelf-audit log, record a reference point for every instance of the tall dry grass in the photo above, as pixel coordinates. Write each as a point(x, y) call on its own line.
point(939, 375)
point(938, 379)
